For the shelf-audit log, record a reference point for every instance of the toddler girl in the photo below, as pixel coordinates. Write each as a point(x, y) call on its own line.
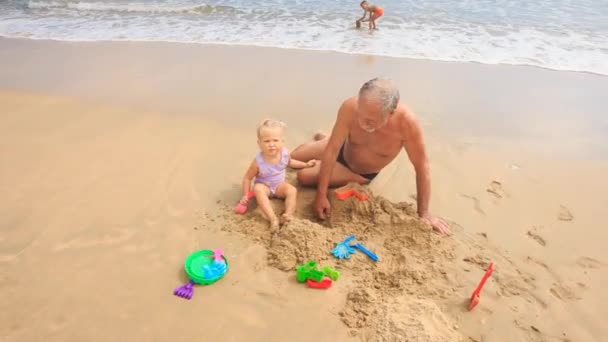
point(268, 168)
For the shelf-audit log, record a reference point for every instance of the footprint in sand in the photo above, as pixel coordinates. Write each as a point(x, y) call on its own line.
point(558, 289)
point(476, 203)
point(105, 237)
point(587, 262)
point(496, 189)
point(479, 260)
point(270, 296)
point(514, 282)
point(563, 292)
point(564, 214)
point(538, 262)
point(534, 235)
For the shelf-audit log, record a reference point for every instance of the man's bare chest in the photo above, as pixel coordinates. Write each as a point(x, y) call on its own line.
point(385, 144)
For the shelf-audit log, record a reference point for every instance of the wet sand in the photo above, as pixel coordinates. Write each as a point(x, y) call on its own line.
point(119, 159)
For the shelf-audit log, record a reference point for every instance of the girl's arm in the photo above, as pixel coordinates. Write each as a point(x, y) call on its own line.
point(252, 171)
point(364, 14)
point(296, 164)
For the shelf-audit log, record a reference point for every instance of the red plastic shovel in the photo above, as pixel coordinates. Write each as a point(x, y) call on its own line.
point(323, 284)
point(475, 297)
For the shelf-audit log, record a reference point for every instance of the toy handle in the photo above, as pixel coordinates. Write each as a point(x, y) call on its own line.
point(217, 254)
point(491, 269)
point(348, 239)
point(365, 251)
point(241, 208)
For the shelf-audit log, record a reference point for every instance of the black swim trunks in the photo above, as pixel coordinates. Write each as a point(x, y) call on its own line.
point(342, 161)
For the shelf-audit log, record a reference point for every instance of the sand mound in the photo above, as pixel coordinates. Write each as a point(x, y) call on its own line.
point(390, 300)
point(413, 320)
point(373, 211)
point(298, 242)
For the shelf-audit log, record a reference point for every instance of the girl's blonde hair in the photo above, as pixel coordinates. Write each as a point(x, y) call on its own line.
point(270, 123)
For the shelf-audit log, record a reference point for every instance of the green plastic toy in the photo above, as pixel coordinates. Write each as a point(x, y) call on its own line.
point(203, 267)
point(331, 273)
point(303, 271)
point(310, 271)
point(194, 267)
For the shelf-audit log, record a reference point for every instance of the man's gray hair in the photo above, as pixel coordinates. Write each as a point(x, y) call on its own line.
point(384, 90)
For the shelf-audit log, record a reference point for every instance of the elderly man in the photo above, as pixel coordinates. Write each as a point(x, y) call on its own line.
point(369, 132)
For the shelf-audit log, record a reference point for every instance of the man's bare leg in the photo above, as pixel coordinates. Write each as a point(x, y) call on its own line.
point(319, 136)
point(311, 150)
point(340, 176)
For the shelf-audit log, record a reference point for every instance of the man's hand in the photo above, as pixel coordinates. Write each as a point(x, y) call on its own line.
point(437, 223)
point(322, 206)
point(311, 163)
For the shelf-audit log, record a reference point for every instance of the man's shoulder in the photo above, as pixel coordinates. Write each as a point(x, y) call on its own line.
point(350, 103)
point(406, 117)
point(348, 107)
point(404, 112)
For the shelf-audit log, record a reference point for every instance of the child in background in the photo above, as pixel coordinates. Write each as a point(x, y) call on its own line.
point(268, 168)
point(374, 11)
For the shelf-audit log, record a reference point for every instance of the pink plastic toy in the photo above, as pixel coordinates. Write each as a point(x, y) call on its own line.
point(217, 255)
point(242, 208)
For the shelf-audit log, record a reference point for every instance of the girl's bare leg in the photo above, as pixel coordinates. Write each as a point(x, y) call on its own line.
point(262, 194)
point(289, 193)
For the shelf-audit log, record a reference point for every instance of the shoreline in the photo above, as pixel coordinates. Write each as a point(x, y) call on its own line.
point(295, 48)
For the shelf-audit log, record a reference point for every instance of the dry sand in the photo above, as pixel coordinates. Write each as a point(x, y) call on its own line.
point(107, 186)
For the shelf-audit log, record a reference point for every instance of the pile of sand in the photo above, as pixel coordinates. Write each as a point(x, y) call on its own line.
point(402, 297)
point(391, 300)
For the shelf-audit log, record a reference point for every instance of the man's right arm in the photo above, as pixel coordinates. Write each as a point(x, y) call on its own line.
point(328, 159)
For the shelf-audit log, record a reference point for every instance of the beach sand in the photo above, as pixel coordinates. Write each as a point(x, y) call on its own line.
point(120, 159)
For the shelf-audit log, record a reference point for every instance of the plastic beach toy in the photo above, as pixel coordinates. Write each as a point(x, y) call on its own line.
point(214, 270)
point(203, 267)
point(475, 297)
point(365, 251)
point(217, 267)
point(323, 284)
point(217, 255)
point(331, 273)
point(308, 271)
point(345, 192)
point(342, 249)
point(242, 208)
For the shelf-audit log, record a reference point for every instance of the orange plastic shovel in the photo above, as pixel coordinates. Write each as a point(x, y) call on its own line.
point(345, 192)
point(475, 297)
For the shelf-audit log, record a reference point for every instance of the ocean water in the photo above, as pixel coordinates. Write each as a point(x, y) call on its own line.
point(555, 34)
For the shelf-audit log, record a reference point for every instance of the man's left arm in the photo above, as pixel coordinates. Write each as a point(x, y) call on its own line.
point(416, 151)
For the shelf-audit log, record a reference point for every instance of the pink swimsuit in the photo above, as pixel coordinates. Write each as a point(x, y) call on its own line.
point(271, 175)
